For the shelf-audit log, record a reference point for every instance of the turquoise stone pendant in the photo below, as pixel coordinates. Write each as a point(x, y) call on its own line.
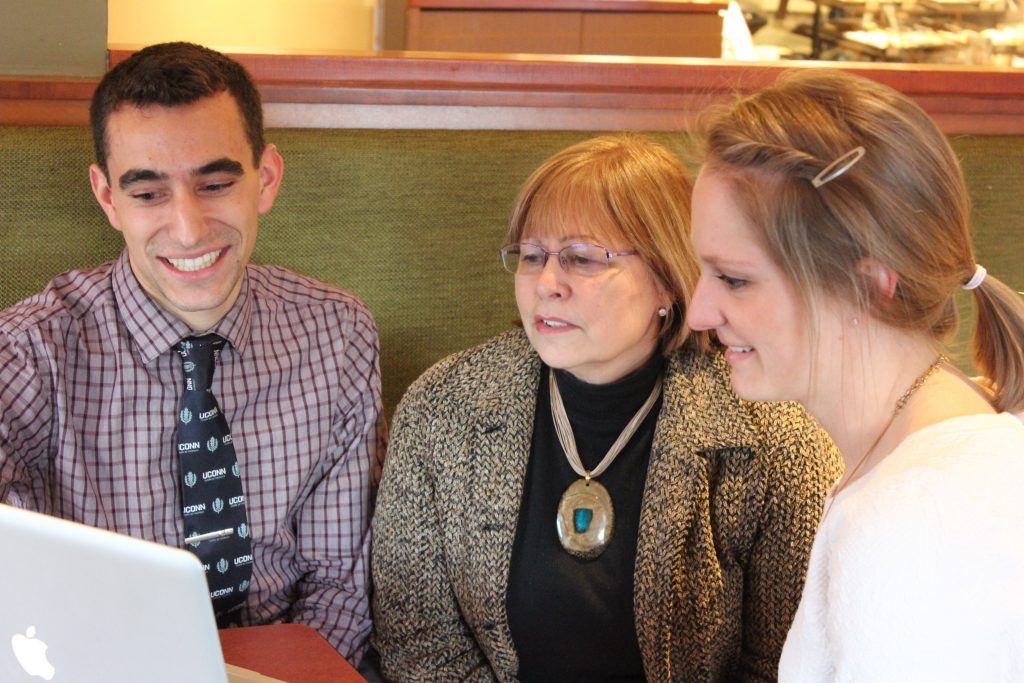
point(581, 519)
point(585, 519)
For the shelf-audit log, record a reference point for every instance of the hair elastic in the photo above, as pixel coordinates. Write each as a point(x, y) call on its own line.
point(838, 167)
point(977, 278)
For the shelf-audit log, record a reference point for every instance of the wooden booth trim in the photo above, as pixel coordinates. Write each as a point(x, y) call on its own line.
point(685, 6)
point(45, 100)
point(476, 91)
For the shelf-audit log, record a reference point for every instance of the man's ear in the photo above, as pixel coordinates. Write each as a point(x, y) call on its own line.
point(879, 275)
point(270, 171)
point(101, 190)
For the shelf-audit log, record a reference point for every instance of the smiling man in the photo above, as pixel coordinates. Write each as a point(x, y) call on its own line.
point(184, 395)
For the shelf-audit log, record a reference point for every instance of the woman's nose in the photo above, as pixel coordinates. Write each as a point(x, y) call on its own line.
point(552, 278)
point(704, 312)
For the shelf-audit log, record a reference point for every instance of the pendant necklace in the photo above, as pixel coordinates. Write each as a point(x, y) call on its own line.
point(586, 518)
point(900, 404)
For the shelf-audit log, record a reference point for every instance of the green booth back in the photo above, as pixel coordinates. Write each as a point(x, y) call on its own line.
point(411, 221)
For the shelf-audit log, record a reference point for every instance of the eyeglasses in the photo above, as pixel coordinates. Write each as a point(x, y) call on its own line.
point(578, 259)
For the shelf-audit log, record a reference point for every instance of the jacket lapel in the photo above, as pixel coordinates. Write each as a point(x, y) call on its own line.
point(676, 551)
point(502, 417)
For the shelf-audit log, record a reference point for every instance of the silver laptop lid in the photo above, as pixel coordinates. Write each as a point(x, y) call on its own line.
point(85, 605)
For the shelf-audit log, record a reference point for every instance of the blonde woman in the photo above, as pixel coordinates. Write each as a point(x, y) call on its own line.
point(585, 499)
point(831, 224)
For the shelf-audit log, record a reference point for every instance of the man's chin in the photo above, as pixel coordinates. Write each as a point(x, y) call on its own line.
point(199, 312)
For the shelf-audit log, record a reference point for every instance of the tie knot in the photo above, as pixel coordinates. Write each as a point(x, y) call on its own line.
point(198, 357)
point(197, 348)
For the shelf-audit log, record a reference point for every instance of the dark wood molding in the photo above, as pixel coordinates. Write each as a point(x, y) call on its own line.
point(448, 90)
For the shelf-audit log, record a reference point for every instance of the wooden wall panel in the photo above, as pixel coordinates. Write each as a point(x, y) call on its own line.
point(502, 31)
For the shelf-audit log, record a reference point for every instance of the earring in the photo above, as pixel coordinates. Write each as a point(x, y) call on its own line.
point(855, 322)
point(662, 312)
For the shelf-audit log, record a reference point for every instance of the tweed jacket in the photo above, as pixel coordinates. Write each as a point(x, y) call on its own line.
point(733, 496)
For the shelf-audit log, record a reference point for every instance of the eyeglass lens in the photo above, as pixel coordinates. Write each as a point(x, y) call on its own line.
point(580, 259)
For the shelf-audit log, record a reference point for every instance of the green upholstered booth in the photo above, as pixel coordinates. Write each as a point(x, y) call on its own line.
point(410, 220)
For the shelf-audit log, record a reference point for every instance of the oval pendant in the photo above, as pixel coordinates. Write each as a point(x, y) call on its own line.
point(585, 519)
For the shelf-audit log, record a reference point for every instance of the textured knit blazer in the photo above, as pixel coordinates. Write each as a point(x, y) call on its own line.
point(733, 496)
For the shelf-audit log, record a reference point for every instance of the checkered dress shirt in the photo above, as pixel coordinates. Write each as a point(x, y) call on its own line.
point(89, 389)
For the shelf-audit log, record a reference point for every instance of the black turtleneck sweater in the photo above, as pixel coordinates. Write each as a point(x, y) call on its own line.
point(572, 619)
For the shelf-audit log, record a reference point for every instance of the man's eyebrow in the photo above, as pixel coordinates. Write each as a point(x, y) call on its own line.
point(138, 175)
point(222, 165)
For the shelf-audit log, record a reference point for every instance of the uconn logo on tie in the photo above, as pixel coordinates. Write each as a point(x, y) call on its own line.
point(215, 474)
point(197, 509)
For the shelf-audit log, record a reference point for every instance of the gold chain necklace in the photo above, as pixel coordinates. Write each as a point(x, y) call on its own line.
point(900, 404)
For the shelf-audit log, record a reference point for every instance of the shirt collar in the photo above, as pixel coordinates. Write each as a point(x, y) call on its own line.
point(154, 331)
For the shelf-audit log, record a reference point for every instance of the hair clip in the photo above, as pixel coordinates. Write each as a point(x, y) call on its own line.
point(838, 167)
point(977, 278)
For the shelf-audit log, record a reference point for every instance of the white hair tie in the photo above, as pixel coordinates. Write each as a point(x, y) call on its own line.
point(977, 278)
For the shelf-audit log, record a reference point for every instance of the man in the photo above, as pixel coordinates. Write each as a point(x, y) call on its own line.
point(95, 370)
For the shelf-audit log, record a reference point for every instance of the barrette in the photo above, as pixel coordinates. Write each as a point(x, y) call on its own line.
point(838, 167)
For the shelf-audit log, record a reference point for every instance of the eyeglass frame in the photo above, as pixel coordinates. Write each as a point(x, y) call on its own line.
point(609, 255)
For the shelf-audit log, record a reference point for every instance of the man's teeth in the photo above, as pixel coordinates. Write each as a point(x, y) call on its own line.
point(741, 349)
point(190, 264)
point(554, 323)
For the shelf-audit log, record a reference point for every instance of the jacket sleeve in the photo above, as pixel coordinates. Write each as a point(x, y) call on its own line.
point(421, 634)
point(799, 465)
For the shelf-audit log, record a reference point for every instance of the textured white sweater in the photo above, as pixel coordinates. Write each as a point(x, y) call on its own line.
point(917, 570)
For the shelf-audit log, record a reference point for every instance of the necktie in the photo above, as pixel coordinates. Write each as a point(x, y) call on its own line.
point(213, 503)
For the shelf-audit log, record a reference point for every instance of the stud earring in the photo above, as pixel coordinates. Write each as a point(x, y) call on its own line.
point(662, 312)
point(855, 322)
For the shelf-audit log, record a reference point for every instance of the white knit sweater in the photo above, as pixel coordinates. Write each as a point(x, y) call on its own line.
point(917, 570)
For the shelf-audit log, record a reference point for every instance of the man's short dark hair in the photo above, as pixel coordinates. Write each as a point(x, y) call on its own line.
point(172, 74)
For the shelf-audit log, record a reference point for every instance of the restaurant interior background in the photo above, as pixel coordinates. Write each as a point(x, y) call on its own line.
point(936, 31)
point(975, 32)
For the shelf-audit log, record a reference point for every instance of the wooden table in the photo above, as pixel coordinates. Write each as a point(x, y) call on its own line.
point(291, 652)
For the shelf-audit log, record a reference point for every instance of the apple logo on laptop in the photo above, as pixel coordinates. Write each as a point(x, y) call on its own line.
point(31, 654)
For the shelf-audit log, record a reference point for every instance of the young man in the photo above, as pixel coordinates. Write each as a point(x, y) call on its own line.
point(183, 395)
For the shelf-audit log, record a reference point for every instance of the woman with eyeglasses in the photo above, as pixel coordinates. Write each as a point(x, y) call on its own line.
point(831, 221)
point(586, 499)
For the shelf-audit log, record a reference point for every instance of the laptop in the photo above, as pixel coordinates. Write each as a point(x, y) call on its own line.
point(86, 605)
